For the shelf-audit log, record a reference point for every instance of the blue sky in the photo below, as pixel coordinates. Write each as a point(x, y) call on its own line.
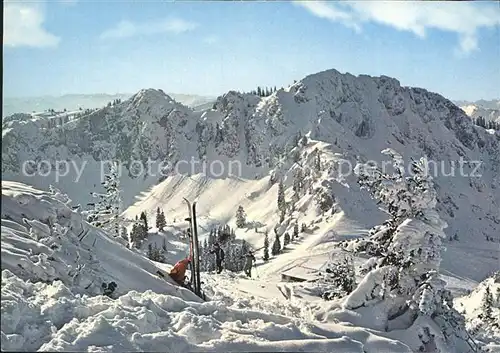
point(209, 48)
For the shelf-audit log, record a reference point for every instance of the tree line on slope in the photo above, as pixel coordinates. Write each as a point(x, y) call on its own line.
point(105, 213)
point(276, 247)
point(490, 124)
point(234, 249)
point(263, 91)
point(302, 183)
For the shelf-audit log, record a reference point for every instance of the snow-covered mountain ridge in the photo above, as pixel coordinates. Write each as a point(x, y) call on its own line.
point(346, 117)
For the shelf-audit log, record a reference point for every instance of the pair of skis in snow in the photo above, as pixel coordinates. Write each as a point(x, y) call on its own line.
point(194, 250)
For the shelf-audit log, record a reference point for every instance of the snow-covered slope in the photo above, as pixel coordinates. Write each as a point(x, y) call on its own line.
point(346, 118)
point(41, 243)
point(51, 296)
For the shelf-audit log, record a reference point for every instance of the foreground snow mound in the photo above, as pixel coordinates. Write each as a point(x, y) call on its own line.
point(44, 240)
point(50, 317)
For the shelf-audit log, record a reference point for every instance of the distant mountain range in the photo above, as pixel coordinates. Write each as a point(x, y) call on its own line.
point(490, 110)
point(486, 104)
point(85, 101)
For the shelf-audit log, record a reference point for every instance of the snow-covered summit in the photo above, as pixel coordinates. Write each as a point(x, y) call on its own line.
point(151, 96)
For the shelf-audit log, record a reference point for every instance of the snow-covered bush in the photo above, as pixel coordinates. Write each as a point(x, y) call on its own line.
point(481, 308)
point(339, 278)
point(401, 282)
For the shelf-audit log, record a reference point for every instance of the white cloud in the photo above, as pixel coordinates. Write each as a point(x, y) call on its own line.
point(330, 12)
point(23, 26)
point(126, 29)
point(462, 18)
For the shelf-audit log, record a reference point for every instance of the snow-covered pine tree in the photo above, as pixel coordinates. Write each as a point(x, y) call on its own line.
point(281, 197)
point(203, 258)
point(160, 220)
point(390, 190)
point(211, 258)
point(212, 238)
point(240, 217)
point(403, 284)
point(163, 219)
point(144, 218)
point(295, 233)
point(298, 183)
point(265, 257)
point(340, 277)
point(243, 251)
point(230, 256)
point(286, 239)
point(220, 234)
point(160, 257)
point(276, 249)
point(124, 233)
point(282, 216)
point(154, 253)
point(234, 257)
point(133, 236)
point(317, 161)
point(487, 304)
point(150, 251)
point(325, 201)
point(106, 211)
point(138, 234)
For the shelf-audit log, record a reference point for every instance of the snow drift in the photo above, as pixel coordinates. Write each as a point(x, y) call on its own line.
point(51, 298)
